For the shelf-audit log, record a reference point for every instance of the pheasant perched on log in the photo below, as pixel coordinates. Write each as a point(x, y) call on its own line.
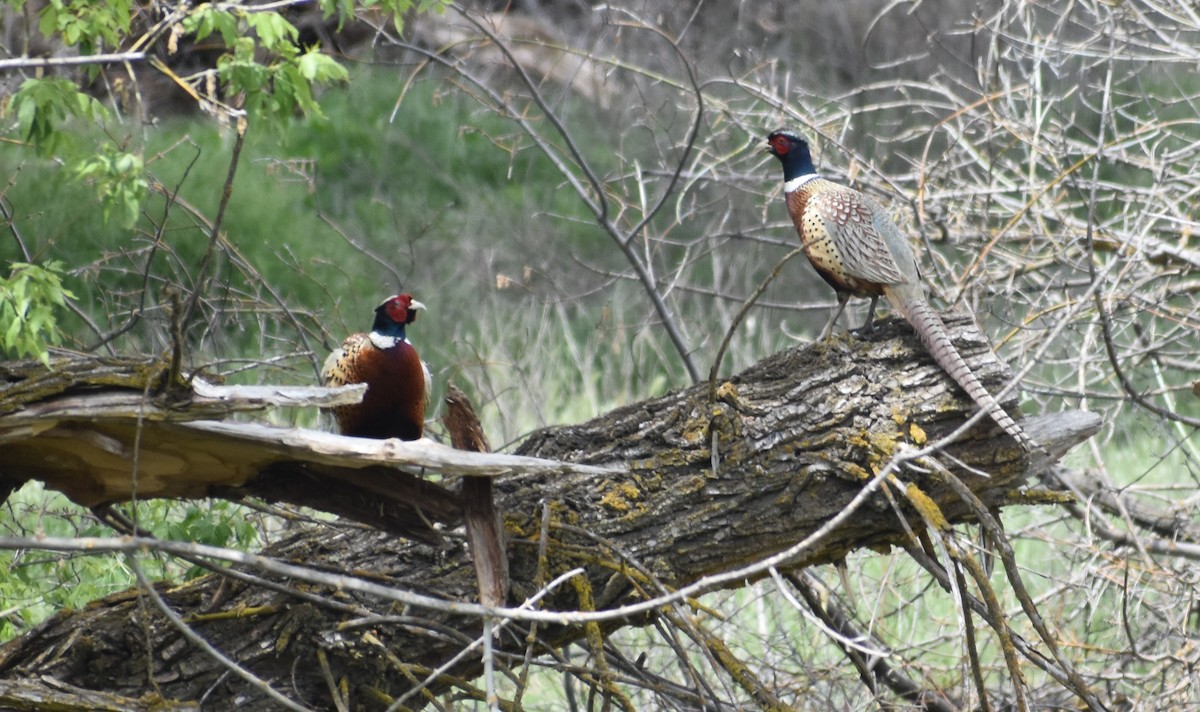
point(398, 382)
point(860, 252)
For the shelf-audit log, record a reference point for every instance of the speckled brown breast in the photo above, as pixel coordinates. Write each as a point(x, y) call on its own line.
point(394, 404)
point(823, 249)
point(840, 238)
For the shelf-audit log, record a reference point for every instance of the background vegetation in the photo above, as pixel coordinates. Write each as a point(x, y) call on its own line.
point(580, 197)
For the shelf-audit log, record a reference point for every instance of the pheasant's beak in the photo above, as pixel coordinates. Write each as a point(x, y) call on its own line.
point(414, 305)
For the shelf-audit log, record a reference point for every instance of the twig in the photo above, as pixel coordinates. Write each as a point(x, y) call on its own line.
point(737, 320)
point(253, 680)
point(136, 313)
point(836, 619)
point(525, 607)
point(43, 62)
point(240, 124)
point(993, 530)
point(598, 204)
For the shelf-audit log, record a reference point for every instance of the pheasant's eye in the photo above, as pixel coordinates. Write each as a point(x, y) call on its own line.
point(780, 144)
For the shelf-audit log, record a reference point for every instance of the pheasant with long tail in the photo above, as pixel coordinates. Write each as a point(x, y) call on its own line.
point(859, 251)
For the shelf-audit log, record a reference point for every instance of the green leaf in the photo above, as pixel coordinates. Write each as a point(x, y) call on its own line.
point(89, 25)
point(120, 181)
point(48, 22)
point(206, 19)
point(42, 104)
point(273, 31)
point(27, 300)
point(13, 333)
point(343, 8)
point(317, 67)
point(399, 8)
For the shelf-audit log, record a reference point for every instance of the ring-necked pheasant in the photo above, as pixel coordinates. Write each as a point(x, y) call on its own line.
point(860, 252)
point(398, 382)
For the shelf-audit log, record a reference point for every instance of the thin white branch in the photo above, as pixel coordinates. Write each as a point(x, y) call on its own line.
point(43, 62)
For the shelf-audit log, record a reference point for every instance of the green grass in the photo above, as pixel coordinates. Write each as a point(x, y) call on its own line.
point(426, 193)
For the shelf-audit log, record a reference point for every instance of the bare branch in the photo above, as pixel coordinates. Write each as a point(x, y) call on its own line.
point(83, 60)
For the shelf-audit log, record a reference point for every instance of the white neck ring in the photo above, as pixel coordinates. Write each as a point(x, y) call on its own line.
point(794, 184)
point(384, 342)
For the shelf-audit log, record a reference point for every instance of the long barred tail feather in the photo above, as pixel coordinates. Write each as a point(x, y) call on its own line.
point(909, 301)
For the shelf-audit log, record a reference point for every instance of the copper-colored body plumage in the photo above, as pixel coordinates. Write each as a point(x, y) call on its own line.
point(859, 251)
point(397, 381)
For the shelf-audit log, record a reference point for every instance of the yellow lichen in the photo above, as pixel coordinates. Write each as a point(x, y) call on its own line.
point(671, 458)
point(620, 498)
point(530, 528)
point(595, 639)
point(858, 441)
point(883, 444)
point(857, 472)
point(928, 509)
point(917, 434)
point(694, 430)
point(1036, 496)
point(727, 392)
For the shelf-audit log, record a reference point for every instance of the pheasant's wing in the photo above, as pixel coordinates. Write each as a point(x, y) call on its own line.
point(869, 244)
point(902, 252)
point(338, 369)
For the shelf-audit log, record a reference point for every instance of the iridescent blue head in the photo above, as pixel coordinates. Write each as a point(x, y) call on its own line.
point(394, 314)
point(792, 151)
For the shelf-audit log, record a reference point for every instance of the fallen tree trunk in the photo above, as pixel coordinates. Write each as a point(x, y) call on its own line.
point(692, 488)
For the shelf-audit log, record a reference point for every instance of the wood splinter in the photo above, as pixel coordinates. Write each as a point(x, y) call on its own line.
point(485, 530)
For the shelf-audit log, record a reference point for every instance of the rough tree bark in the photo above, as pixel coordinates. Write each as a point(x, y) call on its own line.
point(705, 488)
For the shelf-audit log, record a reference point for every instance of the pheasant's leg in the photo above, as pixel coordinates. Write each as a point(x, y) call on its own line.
point(842, 298)
point(869, 325)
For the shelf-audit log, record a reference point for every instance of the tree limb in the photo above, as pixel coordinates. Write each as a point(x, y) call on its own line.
point(698, 496)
